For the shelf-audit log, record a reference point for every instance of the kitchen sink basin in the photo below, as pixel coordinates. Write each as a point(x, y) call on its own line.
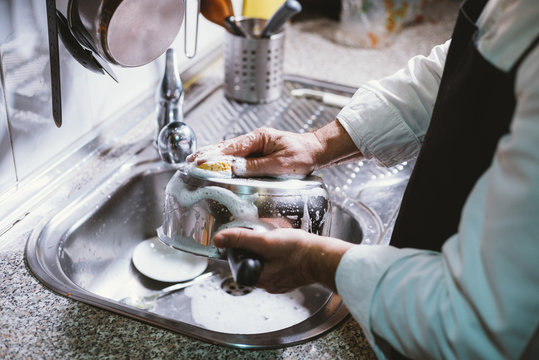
point(84, 251)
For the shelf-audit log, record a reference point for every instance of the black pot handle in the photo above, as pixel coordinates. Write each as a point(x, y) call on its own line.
point(245, 266)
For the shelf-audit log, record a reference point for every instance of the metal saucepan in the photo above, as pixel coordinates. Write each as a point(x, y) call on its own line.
point(128, 33)
point(196, 208)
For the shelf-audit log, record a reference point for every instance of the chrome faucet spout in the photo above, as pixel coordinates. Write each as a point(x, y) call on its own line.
point(175, 139)
point(170, 94)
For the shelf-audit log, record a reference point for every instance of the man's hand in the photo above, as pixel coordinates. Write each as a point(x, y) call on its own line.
point(266, 152)
point(270, 152)
point(292, 257)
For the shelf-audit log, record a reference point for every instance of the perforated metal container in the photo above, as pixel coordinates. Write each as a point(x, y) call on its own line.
point(254, 65)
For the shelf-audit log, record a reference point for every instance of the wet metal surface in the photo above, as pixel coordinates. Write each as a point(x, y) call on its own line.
point(84, 251)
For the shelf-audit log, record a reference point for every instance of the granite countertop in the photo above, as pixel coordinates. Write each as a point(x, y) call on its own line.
point(37, 323)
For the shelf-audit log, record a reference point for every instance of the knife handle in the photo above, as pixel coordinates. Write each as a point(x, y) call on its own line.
point(54, 56)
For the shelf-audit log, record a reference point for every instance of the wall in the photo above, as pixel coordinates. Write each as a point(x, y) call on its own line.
point(29, 139)
point(7, 164)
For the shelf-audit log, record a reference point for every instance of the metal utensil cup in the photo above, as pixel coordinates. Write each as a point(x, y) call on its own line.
point(253, 65)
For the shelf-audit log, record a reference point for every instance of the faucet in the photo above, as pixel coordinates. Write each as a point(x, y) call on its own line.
point(175, 139)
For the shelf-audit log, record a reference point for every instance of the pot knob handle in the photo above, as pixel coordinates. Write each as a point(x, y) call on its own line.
point(245, 266)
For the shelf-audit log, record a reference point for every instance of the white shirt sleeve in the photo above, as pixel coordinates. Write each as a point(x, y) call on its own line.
point(479, 297)
point(387, 119)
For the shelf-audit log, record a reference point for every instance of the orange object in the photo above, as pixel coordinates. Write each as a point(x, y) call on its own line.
point(373, 38)
point(216, 10)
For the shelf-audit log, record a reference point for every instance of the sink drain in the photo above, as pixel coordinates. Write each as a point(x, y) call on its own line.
point(230, 287)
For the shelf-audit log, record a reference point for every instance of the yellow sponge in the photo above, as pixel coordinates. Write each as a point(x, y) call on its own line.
point(220, 166)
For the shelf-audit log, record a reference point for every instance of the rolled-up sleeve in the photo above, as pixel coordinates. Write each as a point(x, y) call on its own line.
point(387, 119)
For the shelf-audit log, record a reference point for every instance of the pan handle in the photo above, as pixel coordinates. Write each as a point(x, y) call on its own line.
point(190, 50)
point(245, 266)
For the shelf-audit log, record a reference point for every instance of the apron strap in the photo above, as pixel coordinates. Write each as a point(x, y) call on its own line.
point(526, 52)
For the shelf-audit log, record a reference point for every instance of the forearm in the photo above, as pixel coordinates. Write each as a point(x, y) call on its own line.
point(324, 258)
point(337, 146)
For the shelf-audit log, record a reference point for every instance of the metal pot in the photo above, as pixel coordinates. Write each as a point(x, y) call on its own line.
point(128, 33)
point(196, 208)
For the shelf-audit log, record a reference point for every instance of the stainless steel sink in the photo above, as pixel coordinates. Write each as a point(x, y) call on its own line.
point(84, 251)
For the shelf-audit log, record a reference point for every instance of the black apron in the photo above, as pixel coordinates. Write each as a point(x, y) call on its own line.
point(473, 110)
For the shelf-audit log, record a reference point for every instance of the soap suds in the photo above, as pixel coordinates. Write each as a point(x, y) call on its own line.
point(256, 312)
point(240, 208)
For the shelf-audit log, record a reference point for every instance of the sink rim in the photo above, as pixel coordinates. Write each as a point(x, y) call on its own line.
point(52, 276)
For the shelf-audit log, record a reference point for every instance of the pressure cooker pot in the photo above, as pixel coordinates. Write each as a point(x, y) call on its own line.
point(196, 208)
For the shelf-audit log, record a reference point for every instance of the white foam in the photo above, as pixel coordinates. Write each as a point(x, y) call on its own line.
point(306, 222)
point(256, 312)
point(212, 152)
point(239, 166)
point(240, 208)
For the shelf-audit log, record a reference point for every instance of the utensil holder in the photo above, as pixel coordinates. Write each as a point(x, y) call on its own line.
point(253, 65)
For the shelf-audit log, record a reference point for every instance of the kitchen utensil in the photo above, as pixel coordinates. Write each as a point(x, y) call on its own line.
point(128, 33)
point(196, 208)
point(232, 26)
point(251, 27)
point(216, 11)
point(157, 261)
point(253, 65)
point(323, 96)
point(244, 265)
point(87, 58)
point(230, 21)
point(262, 9)
point(56, 89)
point(221, 12)
point(148, 302)
point(280, 17)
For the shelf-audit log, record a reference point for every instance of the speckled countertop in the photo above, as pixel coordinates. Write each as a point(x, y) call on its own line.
point(37, 323)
